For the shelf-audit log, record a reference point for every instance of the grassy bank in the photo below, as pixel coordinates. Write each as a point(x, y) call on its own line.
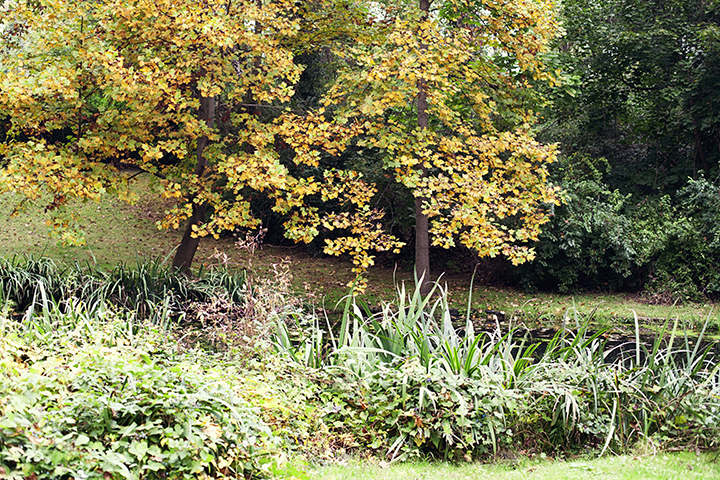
point(117, 232)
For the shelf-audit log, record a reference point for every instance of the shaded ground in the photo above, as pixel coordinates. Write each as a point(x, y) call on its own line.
point(118, 232)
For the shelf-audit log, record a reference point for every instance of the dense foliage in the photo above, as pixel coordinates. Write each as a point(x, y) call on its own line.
point(125, 411)
point(90, 390)
point(636, 116)
point(94, 388)
point(641, 89)
point(408, 382)
point(665, 246)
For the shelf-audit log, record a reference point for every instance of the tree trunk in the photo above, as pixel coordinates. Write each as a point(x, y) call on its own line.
point(188, 245)
point(699, 152)
point(422, 248)
point(422, 235)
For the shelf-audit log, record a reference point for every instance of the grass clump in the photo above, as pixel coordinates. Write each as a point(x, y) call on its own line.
point(407, 382)
point(152, 289)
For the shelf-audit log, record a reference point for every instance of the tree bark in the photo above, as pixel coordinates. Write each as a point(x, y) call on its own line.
point(699, 152)
point(422, 235)
point(422, 248)
point(188, 245)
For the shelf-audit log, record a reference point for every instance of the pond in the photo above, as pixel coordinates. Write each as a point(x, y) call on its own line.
point(620, 341)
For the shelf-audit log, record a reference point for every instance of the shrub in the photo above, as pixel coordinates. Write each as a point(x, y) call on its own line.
point(404, 410)
point(605, 239)
point(129, 417)
point(687, 266)
point(590, 240)
point(97, 394)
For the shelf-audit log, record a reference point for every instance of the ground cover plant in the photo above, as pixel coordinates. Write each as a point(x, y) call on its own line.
point(86, 395)
point(93, 387)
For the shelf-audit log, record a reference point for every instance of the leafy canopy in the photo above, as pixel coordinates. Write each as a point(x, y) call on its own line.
point(477, 166)
point(97, 91)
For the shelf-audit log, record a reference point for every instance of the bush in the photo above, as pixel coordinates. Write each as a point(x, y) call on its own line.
point(404, 410)
point(590, 240)
point(599, 238)
point(97, 394)
point(107, 414)
point(588, 243)
point(686, 267)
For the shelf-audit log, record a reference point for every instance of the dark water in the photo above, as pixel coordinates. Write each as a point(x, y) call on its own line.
point(618, 342)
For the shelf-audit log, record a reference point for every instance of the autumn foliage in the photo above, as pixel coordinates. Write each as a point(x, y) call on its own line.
point(99, 91)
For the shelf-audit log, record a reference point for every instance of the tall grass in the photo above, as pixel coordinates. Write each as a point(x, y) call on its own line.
point(411, 327)
point(152, 289)
point(571, 391)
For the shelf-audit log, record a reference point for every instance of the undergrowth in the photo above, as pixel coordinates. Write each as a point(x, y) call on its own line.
point(141, 374)
point(147, 374)
point(407, 382)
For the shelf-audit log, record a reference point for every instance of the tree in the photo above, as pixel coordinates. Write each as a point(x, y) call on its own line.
point(445, 93)
point(94, 89)
point(647, 97)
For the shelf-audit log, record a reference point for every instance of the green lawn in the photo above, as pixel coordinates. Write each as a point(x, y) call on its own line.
point(665, 466)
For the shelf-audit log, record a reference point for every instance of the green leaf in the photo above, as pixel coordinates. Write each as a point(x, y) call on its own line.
point(154, 466)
